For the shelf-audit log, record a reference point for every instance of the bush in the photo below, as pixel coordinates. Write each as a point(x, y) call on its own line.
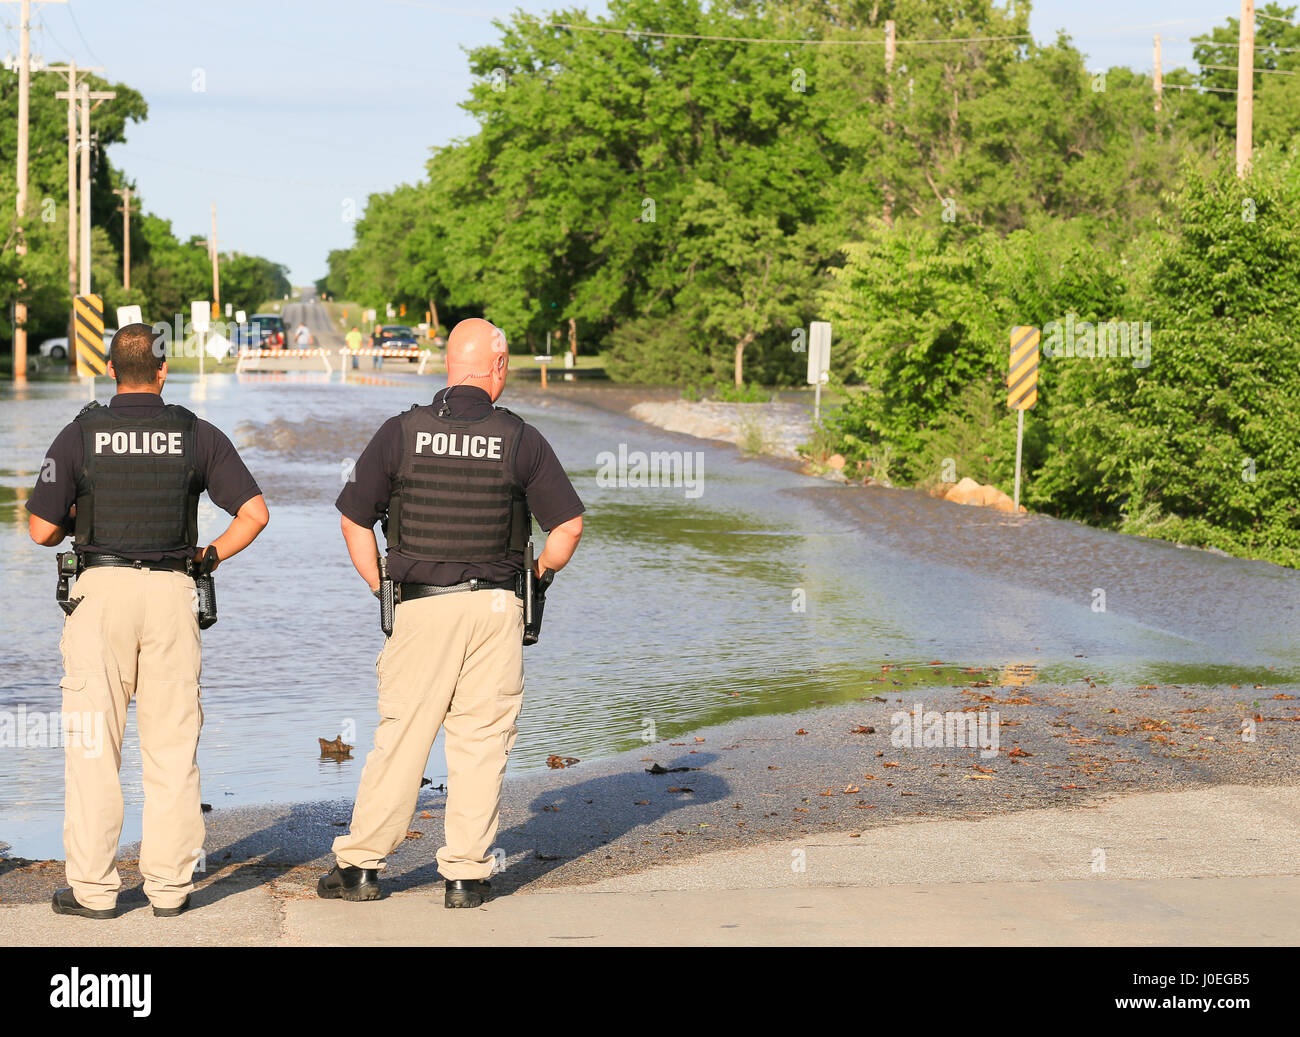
point(750, 392)
point(1198, 447)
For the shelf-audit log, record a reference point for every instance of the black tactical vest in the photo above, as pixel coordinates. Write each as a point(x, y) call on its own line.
point(455, 498)
point(138, 488)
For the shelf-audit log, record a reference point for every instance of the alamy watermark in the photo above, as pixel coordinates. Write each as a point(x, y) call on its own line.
point(180, 339)
point(954, 729)
point(22, 728)
point(654, 468)
point(1071, 339)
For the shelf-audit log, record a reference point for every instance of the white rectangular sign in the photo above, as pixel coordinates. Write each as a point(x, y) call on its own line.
point(199, 316)
point(240, 316)
point(129, 315)
point(819, 352)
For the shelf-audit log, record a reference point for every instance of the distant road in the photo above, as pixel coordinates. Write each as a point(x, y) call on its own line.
point(312, 312)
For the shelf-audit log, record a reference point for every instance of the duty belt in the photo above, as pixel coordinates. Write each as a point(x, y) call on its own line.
point(94, 561)
point(72, 565)
point(410, 591)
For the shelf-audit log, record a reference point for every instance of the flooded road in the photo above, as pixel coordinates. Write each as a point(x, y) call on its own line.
point(750, 589)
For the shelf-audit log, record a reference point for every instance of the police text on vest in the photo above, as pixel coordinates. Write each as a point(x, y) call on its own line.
point(458, 444)
point(139, 443)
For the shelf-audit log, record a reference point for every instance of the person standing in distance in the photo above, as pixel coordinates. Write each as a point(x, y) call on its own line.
point(125, 480)
point(354, 339)
point(459, 481)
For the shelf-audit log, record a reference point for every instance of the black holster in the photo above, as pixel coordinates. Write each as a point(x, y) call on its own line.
point(534, 595)
point(69, 569)
point(386, 599)
point(205, 587)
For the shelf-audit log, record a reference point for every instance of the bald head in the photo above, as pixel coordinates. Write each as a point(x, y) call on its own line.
point(477, 354)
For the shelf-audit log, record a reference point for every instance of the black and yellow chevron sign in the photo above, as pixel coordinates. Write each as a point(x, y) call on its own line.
point(1022, 375)
point(92, 350)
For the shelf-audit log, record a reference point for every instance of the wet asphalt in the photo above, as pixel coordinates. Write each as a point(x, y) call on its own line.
point(774, 778)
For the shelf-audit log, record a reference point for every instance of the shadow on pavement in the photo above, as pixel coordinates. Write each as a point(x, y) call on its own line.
point(561, 823)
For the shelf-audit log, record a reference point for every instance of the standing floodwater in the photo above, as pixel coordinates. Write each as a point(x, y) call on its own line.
point(739, 587)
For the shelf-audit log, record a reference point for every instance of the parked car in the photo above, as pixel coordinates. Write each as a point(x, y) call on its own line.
point(244, 337)
point(57, 348)
point(397, 336)
point(271, 326)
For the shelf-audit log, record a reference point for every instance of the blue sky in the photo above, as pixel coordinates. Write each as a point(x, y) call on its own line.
point(311, 104)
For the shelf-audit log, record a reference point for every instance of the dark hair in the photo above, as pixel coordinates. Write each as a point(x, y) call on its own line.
point(136, 361)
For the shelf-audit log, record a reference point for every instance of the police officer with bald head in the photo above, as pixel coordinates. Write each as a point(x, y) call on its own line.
point(458, 482)
point(124, 481)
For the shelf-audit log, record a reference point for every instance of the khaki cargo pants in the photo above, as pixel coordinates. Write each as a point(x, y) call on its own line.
point(134, 635)
point(454, 661)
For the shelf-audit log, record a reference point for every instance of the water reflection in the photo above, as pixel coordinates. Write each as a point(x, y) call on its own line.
point(767, 593)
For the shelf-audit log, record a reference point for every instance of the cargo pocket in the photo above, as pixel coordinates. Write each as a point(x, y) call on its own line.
point(390, 703)
point(76, 716)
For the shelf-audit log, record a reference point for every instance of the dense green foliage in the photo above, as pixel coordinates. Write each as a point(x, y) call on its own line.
point(166, 274)
point(692, 204)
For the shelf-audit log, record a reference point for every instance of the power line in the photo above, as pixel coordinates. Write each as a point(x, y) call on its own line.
point(1232, 45)
point(76, 25)
point(634, 33)
point(1269, 71)
point(210, 171)
point(1212, 89)
point(756, 39)
point(45, 28)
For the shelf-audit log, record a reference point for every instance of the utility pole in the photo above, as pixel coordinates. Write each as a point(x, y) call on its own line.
point(1245, 85)
point(70, 95)
point(216, 279)
point(24, 116)
point(1159, 81)
point(890, 46)
point(125, 193)
point(24, 120)
point(85, 96)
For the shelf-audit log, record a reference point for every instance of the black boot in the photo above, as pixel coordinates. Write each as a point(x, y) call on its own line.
point(65, 903)
point(172, 912)
point(349, 884)
point(467, 892)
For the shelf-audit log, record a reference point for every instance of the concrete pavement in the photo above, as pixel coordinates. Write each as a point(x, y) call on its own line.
point(1209, 866)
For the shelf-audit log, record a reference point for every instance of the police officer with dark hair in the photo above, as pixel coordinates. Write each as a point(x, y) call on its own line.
point(125, 481)
point(459, 481)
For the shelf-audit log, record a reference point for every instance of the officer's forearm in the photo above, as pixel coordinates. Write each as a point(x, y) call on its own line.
point(561, 542)
point(243, 529)
point(363, 549)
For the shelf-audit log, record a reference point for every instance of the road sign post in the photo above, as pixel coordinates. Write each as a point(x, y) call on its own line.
point(199, 319)
point(1022, 387)
point(544, 362)
point(819, 361)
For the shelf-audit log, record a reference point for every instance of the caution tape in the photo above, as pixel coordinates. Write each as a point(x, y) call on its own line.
point(252, 355)
point(411, 354)
point(284, 352)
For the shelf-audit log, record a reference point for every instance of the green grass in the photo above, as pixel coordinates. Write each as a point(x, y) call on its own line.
point(527, 361)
